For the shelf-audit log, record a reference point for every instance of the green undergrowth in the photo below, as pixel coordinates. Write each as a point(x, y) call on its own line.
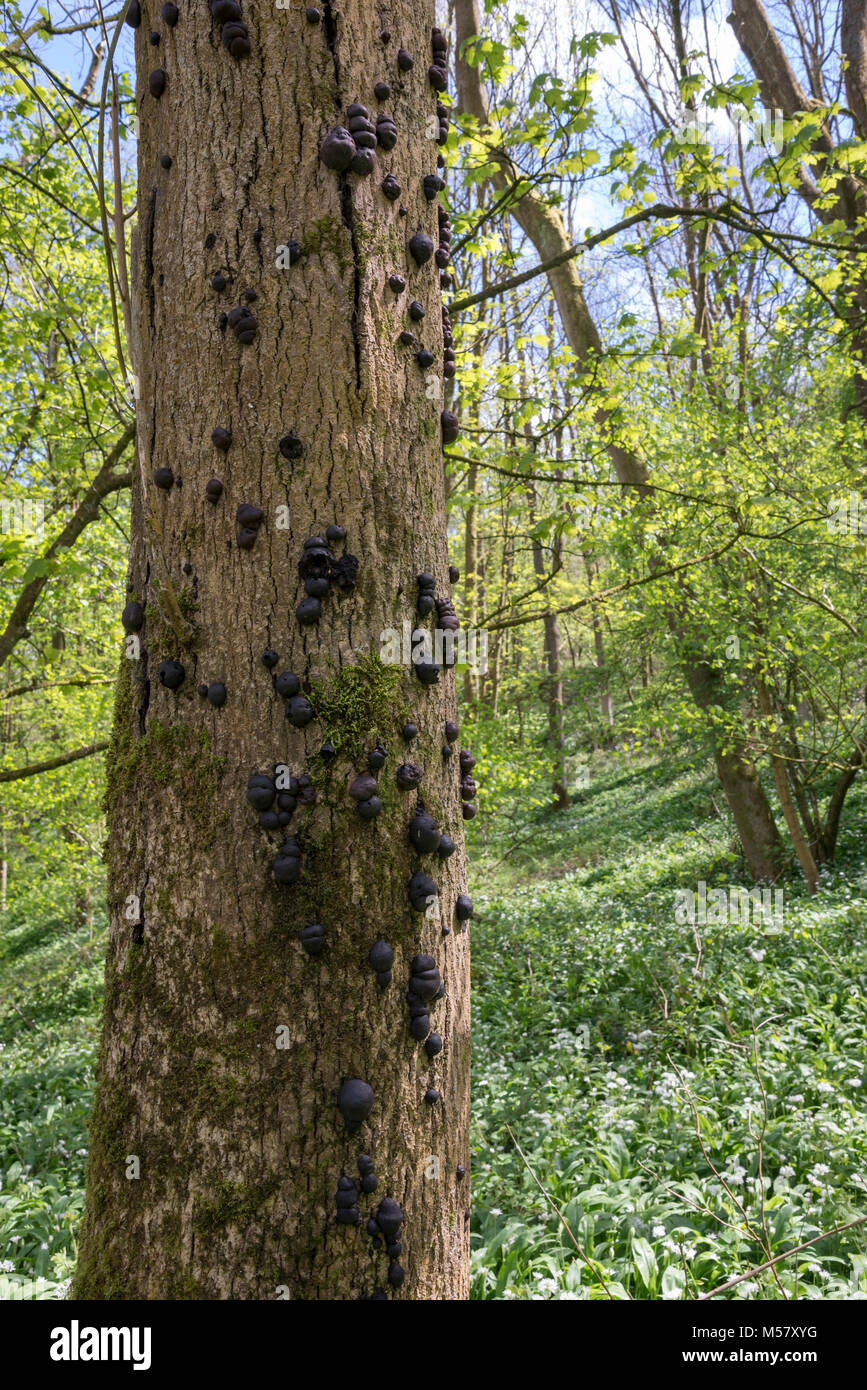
point(608, 1038)
point(605, 1036)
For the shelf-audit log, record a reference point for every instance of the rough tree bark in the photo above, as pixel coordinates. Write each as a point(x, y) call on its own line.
point(225, 1045)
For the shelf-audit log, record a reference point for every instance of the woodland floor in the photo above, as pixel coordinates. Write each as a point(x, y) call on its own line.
point(601, 1039)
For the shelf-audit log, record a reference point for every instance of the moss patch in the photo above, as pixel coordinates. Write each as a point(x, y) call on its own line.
point(357, 707)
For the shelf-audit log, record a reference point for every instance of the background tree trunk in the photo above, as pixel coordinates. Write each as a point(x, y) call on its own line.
point(224, 1044)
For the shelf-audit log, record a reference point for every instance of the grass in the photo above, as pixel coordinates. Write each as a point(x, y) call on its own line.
point(605, 1034)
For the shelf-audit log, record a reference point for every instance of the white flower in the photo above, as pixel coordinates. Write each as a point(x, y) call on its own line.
point(786, 1171)
point(495, 1211)
point(7, 1266)
point(658, 1232)
point(748, 1289)
point(43, 1246)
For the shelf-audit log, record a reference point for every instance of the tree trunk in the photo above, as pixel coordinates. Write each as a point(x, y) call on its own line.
point(217, 1144)
point(561, 800)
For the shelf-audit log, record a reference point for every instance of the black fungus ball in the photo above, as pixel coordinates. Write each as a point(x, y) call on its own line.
point(169, 13)
point(454, 574)
point(299, 711)
point(446, 751)
point(396, 283)
point(406, 337)
point(362, 787)
point(287, 801)
point(372, 1227)
point(261, 792)
point(405, 60)
point(425, 358)
point(432, 185)
point(269, 820)
point(383, 978)
point(132, 617)
point(344, 572)
point(409, 732)
point(354, 1100)
point(391, 188)
point(270, 659)
point(334, 534)
point(460, 1171)
point(421, 248)
point(249, 516)
point(427, 672)
point(328, 750)
point(466, 760)
point(421, 890)
point(171, 674)
point(243, 324)
point(316, 587)
point(235, 37)
point(286, 868)
point(416, 311)
point(308, 611)
point(313, 15)
point(419, 1026)
point(221, 438)
point(463, 908)
point(363, 162)
point(450, 426)
point(386, 132)
point(468, 810)
point(370, 809)
point(133, 14)
point(389, 1216)
point(218, 282)
point(425, 979)
point(431, 1096)
point(157, 82)
point(408, 776)
point(290, 447)
point(376, 758)
point(424, 833)
point(433, 1045)
point(369, 1182)
point(217, 694)
point(313, 939)
point(164, 478)
point(446, 847)
point(365, 1164)
point(382, 91)
point(381, 955)
point(451, 730)
point(166, 161)
point(395, 1275)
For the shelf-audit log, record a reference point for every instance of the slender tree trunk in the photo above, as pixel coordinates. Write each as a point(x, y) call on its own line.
point(217, 1143)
